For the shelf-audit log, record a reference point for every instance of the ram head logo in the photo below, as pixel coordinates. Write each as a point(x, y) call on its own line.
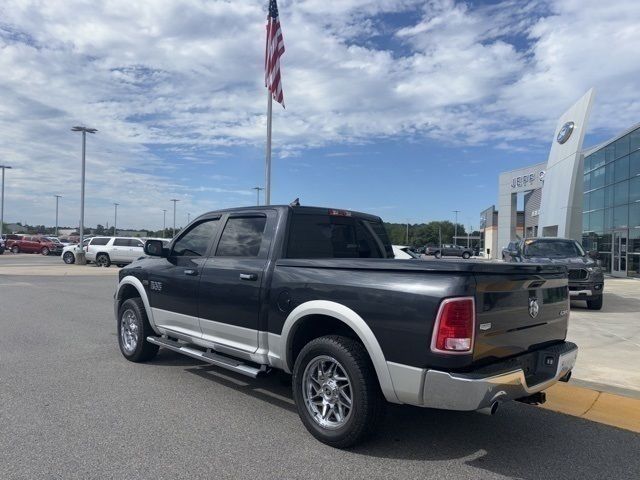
point(534, 308)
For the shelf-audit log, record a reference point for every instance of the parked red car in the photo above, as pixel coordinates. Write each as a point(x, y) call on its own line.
point(29, 244)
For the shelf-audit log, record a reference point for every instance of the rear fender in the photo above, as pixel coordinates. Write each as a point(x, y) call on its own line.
point(353, 321)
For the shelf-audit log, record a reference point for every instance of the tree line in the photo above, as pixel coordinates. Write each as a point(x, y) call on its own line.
point(421, 234)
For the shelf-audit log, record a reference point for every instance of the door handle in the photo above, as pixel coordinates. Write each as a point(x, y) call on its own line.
point(191, 272)
point(248, 276)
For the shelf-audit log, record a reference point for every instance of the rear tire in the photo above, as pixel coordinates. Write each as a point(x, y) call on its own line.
point(466, 255)
point(344, 375)
point(103, 260)
point(133, 330)
point(438, 254)
point(69, 258)
point(595, 303)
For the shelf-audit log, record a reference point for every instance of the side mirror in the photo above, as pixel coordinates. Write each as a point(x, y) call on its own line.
point(594, 254)
point(155, 248)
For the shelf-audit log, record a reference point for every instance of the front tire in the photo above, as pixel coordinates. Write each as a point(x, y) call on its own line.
point(68, 258)
point(15, 249)
point(133, 330)
point(103, 260)
point(336, 391)
point(466, 255)
point(45, 251)
point(595, 303)
point(438, 254)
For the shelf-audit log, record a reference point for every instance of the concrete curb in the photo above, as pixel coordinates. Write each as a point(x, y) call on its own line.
point(602, 407)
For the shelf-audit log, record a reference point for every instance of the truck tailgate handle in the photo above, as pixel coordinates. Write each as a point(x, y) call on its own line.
point(190, 271)
point(248, 276)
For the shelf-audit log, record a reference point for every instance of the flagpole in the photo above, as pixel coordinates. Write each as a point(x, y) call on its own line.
point(267, 180)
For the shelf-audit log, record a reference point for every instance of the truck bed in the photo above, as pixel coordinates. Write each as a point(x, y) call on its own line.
point(400, 300)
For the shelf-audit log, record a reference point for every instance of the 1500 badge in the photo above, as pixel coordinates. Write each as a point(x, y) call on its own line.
point(155, 286)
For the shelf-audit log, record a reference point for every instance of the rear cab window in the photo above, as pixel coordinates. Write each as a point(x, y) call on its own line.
point(314, 235)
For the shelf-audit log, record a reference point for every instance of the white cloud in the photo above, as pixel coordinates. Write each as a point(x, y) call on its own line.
point(186, 75)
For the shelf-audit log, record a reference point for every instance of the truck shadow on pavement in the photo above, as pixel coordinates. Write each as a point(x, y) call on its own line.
point(520, 441)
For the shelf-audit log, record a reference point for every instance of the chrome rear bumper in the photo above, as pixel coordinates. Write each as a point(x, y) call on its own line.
point(453, 391)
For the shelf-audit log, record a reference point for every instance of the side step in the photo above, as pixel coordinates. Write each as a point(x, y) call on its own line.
point(209, 357)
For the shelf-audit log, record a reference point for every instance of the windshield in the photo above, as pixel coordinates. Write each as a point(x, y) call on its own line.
point(553, 248)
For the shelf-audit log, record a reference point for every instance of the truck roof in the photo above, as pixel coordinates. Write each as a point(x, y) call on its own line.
point(298, 209)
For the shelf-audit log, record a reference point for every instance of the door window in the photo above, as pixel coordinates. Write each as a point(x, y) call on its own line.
point(121, 242)
point(242, 237)
point(99, 241)
point(195, 242)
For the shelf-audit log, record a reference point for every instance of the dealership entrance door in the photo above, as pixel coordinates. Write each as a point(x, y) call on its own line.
point(619, 253)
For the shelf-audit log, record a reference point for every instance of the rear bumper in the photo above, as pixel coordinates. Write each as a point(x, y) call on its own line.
point(475, 390)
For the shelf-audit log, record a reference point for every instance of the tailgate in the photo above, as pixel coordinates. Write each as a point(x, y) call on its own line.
point(519, 312)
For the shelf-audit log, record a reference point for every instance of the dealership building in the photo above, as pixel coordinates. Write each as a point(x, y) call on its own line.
point(591, 195)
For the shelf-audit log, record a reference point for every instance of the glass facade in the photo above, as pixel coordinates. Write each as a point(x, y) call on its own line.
point(611, 204)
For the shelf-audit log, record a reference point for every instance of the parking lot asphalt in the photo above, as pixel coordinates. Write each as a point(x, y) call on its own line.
point(72, 407)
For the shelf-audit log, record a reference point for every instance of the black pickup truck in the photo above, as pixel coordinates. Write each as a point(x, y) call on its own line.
point(316, 292)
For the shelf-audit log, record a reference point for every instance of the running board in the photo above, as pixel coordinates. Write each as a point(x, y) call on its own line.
point(209, 357)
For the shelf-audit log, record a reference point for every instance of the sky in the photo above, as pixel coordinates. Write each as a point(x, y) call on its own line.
point(403, 108)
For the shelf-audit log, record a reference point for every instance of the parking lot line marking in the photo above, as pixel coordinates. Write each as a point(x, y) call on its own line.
point(602, 407)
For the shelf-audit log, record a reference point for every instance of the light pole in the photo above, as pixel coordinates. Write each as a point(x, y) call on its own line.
point(188, 218)
point(455, 228)
point(3, 167)
point(58, 197)
point(174, 200)
point(80, 258)
point(257, 189)
point(407, 232)
point(164, 221)
point(115, 220)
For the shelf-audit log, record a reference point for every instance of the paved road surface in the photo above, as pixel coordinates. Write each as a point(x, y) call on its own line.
point(72, 408)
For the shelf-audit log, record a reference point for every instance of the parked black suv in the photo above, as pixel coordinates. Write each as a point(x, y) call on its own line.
point(586, 280)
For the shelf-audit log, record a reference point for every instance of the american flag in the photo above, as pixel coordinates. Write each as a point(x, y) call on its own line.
point(273, 51)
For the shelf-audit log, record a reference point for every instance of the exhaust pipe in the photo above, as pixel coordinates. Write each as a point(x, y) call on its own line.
point(491, 410)
point(567, 377)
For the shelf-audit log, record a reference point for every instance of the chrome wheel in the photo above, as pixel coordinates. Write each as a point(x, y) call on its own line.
point(327, 392)
point(68, 258)
point(101, 261)
point(129, 331)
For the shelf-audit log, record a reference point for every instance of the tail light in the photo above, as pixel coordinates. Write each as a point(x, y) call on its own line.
point(454, 329)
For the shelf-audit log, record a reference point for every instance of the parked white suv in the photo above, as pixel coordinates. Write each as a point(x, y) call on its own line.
point(68, 252)
point(104, 251)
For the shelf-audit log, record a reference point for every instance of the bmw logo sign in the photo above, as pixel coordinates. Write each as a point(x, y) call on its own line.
point(565, 132)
